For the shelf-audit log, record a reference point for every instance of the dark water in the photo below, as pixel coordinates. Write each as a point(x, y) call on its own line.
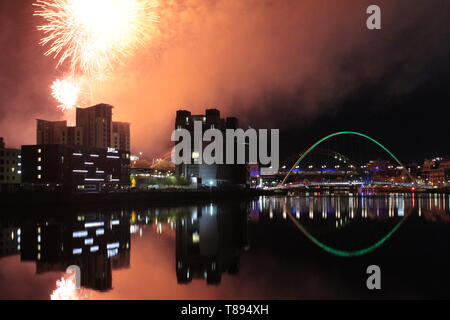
point(234, 250)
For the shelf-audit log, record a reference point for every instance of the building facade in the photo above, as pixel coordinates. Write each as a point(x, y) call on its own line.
point(96, 122)
point(94, 128)
point(75, 168)
point(57, 132)
point(50, 132)
point(436, 172)
point(211, 175)
point(10, 168)
point(120, 136)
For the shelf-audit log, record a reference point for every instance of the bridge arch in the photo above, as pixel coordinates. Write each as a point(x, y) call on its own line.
point(323, 246)
point(317, 143)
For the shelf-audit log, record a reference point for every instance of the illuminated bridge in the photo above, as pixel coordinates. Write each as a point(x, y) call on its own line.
point(339, 172)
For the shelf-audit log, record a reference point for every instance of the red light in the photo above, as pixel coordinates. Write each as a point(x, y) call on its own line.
point(413, 188)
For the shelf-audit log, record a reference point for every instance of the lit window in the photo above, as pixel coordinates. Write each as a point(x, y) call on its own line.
point(39, 167)
point(195, 237)
point(39, 150)
point(80, 234)
point(39, 176)
point(39, 159)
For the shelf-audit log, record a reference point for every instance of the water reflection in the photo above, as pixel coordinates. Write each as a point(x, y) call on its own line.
point(210, 240)
point(95, 243)
point(315, 206)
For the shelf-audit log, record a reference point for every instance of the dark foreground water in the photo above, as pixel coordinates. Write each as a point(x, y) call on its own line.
point(270, 248)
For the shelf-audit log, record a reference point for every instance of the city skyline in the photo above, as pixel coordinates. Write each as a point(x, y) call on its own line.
point(315, 99)
point(224, 150)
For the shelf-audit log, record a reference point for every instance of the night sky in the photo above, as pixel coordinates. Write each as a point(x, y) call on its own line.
point(309, 68)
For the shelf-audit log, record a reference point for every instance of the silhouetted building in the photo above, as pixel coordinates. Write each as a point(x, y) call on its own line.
point(73, 136)
point(10, 168)
point(120, 138)
point(96, 122)
point(50, 132)
point(209, 242)
point(212, 175)
point(76, 168)
point(57, 132)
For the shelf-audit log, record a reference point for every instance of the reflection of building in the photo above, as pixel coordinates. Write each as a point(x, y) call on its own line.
point(76, 167)
point(10, 167)
point(209, 242)
point(9, 241)
point(213, 174)
point(95, 245)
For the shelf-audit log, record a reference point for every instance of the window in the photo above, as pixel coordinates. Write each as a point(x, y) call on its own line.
point(39, 159)
point(39, 176)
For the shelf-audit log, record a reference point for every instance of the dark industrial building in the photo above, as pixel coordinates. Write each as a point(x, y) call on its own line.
point(211, 175)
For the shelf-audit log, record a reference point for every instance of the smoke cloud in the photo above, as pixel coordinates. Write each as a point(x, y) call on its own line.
point(268, 62)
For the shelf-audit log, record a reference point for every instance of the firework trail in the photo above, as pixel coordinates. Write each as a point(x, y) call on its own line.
point(93, 36)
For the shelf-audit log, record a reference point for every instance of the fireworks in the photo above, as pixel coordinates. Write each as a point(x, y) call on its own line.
point(95, 35)
point(67, 290)
point(66, 92)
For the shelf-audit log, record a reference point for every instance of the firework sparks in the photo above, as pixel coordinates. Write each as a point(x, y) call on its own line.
point(66, 290)
point(95, 35)
point(66, 92)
